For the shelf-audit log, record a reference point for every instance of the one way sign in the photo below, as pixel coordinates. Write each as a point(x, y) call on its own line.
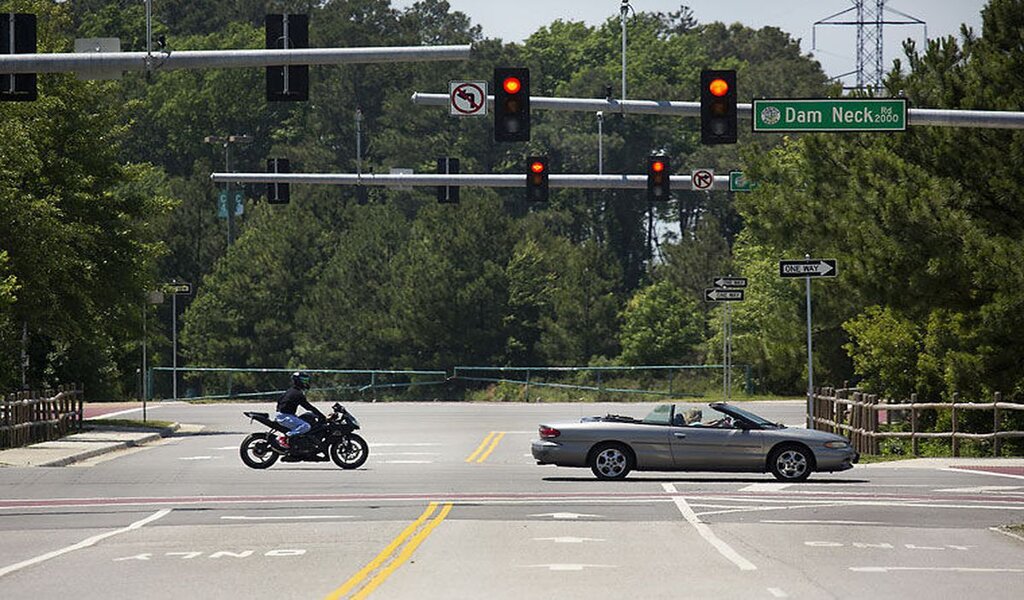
point(720, 295)
point(811, 267)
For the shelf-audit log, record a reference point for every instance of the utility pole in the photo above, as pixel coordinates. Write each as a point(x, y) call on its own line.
point(226, 141)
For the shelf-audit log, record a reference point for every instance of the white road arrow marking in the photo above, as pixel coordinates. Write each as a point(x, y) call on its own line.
point(568, 540)
point(765, 487)
point(566, 515)
point(569, 567)
point(197, 457)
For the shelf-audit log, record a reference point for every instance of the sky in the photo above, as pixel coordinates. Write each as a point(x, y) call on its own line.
point(515, 20)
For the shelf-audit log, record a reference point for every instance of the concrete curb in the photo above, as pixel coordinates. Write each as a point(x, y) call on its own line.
point(82, 446)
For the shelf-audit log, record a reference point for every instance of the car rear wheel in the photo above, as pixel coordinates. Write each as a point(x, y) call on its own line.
point(791, 463)
point(611, 461)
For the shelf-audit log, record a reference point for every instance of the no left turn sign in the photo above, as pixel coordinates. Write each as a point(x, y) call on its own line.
point(467, 98)
point(701, 180)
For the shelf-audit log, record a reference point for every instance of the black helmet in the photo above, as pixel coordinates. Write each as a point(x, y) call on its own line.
point(300, 379)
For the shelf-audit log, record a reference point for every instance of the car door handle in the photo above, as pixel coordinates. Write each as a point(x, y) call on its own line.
point(679, 434)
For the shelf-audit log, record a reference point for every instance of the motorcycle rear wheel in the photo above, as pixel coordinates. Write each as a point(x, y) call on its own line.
point(350, 452)
point(256, 452)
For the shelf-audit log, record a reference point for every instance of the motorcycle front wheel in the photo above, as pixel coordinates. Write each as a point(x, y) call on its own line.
point(350, 452)
point(256, 453)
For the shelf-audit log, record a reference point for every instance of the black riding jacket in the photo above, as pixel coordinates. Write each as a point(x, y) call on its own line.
point(291, 400)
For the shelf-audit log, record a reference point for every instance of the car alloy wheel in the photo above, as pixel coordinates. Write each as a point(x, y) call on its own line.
point(790, 464)
point(611, 461)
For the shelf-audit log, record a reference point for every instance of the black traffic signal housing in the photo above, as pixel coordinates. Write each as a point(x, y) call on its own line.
point(537, 179)
point(291, 82)
point(22, 86)
point(718, 107)
point(448, 194)
point(278, 193)
point(511, 104)
point(658, 186)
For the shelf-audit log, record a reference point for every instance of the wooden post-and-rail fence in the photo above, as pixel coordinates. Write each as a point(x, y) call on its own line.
point(854, 414)
point(32, 417)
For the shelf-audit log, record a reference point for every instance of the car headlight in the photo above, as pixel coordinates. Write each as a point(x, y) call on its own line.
point(838, 444)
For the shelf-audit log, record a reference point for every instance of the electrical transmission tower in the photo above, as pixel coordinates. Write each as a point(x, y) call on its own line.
point(870, 21)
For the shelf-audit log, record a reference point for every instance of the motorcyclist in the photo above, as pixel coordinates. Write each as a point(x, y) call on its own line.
point(289, 402)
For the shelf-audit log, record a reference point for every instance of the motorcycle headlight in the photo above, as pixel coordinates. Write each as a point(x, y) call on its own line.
point(837, 445)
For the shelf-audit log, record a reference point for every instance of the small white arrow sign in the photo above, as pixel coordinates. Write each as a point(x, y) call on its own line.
point(566, 515)
point(731, 282)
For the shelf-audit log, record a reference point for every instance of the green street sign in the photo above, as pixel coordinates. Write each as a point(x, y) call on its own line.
point(738, 182)
point(222, 203)
point(837, 114)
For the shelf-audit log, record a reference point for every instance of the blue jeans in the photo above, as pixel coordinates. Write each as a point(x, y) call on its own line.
point(295, 424)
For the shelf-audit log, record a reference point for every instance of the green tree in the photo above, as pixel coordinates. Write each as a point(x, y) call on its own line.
point(661, 326)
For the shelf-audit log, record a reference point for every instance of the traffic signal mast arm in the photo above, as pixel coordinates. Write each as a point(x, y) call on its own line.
point(198, 59)
point(991, 119)
point(578, 181)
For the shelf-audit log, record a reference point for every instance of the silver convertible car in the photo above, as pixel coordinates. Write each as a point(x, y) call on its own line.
point(673, 439)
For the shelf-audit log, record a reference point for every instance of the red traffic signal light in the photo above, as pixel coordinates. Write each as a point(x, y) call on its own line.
point(512, 85)
point(511, 104)
point(718, 107)
point(658, 186)
point(718, 87)
point(537, 179)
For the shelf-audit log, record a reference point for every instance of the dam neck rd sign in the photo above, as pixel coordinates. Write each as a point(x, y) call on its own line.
point(838, 114)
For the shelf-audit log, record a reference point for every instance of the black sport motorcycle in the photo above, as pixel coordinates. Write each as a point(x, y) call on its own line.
point(333, 438)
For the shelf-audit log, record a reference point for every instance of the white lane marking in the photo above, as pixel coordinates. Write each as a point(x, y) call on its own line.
point(708, 535)
point(778, 593)
point(813, 522)
point(408, 462)
point(567, 540)
point(566, 515)
point(407, 454)
point(765, 487)
point(198, 457)
point(980, 472)
point(569, 567)
point(282, 518)
point(84, 543)
point(942, 569)
point(984, 488)
point(760, 509)
point(393, 444)
point(225, 448)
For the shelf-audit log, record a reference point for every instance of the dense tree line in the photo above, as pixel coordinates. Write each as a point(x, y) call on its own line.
point(105, 193)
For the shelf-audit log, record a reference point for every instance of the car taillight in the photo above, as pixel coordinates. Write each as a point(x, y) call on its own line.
point(549, 432)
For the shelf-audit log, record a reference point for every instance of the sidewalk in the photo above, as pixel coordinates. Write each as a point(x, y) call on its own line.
point(81, 446)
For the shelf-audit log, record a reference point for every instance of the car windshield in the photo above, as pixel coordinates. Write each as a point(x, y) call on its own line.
point(661, 415)
point(749, 416)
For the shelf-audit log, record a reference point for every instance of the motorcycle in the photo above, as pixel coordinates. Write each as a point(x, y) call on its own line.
point(333, 438)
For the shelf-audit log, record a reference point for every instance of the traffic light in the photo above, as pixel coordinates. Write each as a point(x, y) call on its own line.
point(290, 82)
point(718, 107)
point(18, 36)
point(278, 193)
point(658, 187)
point(448, 194)
point(511, 104)
point(537, 179)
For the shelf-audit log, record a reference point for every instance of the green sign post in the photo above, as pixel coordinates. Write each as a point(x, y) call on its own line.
point(838, 114)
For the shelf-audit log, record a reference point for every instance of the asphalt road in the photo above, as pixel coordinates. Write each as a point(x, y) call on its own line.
point(184, 518)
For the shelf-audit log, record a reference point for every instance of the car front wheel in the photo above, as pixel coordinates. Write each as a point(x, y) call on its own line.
point(611, 461)
point(790, 463)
